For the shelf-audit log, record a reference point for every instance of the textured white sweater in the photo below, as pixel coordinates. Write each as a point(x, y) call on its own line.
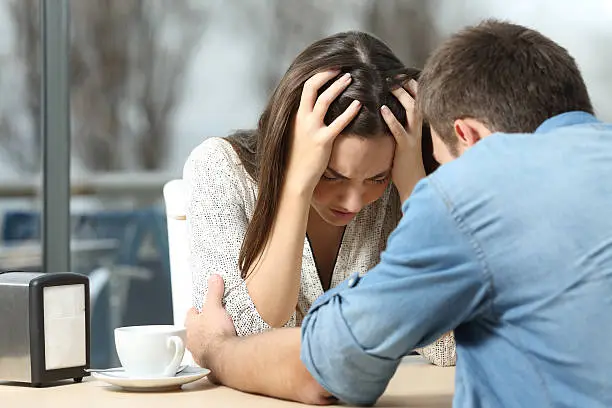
point(221, 201)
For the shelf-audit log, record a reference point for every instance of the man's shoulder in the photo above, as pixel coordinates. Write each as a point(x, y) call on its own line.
point(487, 172)
point(428, 201)
point(491, 161)
point(512, 174)
point(505, 157)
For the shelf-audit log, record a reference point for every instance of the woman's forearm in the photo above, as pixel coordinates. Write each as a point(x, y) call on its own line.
point(442, 353)
point(274, 281)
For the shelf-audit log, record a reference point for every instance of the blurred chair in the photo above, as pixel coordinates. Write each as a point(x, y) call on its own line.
point(175, 193)
point(20, 225)
point(113, 273)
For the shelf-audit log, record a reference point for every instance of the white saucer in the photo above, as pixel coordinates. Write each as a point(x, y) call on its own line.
point(121, 379)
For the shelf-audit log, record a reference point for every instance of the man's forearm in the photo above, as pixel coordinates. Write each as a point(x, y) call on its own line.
point(267, 364)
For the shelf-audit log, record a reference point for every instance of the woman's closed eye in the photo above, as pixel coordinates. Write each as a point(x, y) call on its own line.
point(380, 180)
point(375, 180)
point(330, 178)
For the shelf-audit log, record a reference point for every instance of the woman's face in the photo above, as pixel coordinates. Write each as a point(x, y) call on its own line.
point(358, 172)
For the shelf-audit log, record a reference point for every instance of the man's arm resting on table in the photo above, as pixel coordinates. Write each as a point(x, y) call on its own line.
point(269, 364)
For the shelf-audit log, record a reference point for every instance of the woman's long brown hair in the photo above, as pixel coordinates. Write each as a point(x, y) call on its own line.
point(264, 152)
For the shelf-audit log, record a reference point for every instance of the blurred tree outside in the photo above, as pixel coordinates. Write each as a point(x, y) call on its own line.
point(295, 25)
point(405, 25)
point(127, 60)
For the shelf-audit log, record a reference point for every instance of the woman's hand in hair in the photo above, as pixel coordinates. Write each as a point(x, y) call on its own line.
point(312, 140)
point(408, 166)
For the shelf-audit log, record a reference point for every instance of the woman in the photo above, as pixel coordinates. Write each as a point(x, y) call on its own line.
point(288, 210)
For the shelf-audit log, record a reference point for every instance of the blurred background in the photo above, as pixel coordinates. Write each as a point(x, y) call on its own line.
point(151, 79)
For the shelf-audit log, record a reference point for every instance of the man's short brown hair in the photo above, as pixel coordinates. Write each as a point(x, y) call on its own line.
point(505, 75)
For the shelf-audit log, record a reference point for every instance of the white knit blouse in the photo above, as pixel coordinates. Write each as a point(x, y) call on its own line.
point(220, 203)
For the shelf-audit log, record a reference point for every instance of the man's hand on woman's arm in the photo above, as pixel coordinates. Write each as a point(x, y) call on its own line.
point(267, 364)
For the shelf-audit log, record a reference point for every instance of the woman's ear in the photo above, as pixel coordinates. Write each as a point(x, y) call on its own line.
point(469, 131)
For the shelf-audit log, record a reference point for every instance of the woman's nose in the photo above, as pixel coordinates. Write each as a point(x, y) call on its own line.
point(352, 201)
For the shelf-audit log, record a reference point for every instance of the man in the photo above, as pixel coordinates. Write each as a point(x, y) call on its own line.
point(509, 245)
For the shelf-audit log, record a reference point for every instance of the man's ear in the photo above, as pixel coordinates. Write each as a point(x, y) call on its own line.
point(469, 131)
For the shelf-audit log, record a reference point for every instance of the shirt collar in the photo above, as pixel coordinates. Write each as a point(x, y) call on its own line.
point(566, 119)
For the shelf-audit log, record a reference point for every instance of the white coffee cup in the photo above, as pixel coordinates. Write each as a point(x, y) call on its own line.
point(150, 351)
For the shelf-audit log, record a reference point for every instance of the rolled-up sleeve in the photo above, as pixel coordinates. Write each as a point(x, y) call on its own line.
point(431, 278)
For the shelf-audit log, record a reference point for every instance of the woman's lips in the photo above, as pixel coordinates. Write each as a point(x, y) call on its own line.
point(343, 214)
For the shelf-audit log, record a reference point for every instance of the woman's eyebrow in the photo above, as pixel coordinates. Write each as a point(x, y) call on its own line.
point(343, 177)
point(336, 174)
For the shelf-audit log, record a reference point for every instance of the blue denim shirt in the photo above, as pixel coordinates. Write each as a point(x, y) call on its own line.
point(511, 246)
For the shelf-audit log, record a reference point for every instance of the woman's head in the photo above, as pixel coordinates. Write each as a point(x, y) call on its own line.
point(371, 65)
point(360, 164)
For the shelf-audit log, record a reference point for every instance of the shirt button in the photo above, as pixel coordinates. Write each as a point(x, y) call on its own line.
point(353, 280)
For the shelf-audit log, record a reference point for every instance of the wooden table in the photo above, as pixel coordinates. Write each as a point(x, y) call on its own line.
point(415, 384)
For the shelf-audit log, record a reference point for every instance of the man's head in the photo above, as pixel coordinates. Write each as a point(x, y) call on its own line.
point(496, 77)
